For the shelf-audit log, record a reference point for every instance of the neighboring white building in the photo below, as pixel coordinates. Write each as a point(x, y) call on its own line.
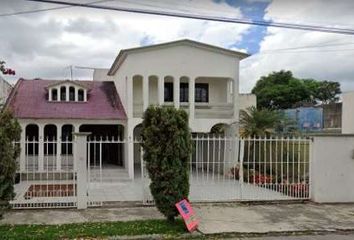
point(247, 100)
point(347, 113)
point(5, 89)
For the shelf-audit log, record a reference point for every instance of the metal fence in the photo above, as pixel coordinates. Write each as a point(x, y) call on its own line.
point(221, 168)
point(46, 177)
point(251, 169)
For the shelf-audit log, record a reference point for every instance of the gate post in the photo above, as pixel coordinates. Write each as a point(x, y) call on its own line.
point(241, 154)
point(80, 165)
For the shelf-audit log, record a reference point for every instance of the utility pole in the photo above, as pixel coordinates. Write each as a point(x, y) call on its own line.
point(71, 72)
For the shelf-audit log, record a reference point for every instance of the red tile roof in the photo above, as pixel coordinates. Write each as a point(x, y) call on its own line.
point(29, 99)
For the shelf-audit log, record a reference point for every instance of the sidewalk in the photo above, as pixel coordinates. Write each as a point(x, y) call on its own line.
point(272, 218)
point(214, 218)
point(63, 216)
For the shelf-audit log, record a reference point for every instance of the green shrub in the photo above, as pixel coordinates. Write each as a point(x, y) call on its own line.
point(167, 147)
point(10, 131)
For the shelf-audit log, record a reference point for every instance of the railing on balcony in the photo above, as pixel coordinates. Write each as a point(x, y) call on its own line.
point(202, 110)
point(214, 110)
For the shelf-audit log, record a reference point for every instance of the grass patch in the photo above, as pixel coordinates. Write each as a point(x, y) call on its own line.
point(77, 230)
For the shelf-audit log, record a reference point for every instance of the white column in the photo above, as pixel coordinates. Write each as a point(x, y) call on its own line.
point(58, 157)
point(145, 92)
point(59, 94)
point(80, 160)
point(229, 90)
point(40, 147)
point(235, 99)
point(50, 98)
point(76, 94)
point(23, 148)
point(85, 95)
point(161, 90)
point(176, 92)
point(191, 99)
point(129, 149)
point(129, 98)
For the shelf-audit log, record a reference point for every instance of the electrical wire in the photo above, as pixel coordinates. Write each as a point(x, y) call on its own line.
point(46, 9)
point(317, 28)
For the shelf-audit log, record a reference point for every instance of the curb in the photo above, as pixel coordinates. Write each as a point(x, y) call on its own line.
point(197, 235)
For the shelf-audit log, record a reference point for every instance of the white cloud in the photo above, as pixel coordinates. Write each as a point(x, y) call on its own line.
point(322, 63)
point(44, 44)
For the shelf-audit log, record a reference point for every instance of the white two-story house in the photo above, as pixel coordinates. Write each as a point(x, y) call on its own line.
point(199, 78)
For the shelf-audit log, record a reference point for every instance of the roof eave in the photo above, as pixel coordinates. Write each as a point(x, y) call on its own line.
point(123, 53)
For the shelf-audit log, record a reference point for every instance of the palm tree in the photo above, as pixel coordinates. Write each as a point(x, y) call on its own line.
point(259, 122)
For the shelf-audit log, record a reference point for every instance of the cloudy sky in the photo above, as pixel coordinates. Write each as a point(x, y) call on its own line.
point(45, 44)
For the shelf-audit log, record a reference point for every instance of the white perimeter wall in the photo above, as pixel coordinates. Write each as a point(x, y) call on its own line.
point(348, 112)
point(332, 169)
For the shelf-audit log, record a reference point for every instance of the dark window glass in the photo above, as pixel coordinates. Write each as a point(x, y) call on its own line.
point(32, 133)
point(168, 92)
point(183, 97)
point(63, 94)
point(201, 92)
point(54, 95)
point(50, 136)
point(66, 137)
point(81, 95)
point(72, 94)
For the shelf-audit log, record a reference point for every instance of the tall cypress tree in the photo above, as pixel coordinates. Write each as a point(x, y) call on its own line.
point(10, 131)
point(167, 147)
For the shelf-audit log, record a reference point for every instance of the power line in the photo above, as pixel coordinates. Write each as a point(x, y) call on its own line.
point(32, 11)
point(306, 47)
point(317, 28)
point(46, 9)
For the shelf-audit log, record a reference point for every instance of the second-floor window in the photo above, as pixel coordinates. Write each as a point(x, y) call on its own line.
point(201, 92)
point(63, 94)
point(168, 92)
point(80, 96)
point(183, 97)
point(54, 94)
point(71, 94)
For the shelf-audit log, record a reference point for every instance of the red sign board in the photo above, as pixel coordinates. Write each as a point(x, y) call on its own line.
point(188, 215)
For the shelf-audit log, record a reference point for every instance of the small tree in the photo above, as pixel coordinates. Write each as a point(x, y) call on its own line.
point(167, 147)
point(259, 122)
point(10, 131)
point(6, 71)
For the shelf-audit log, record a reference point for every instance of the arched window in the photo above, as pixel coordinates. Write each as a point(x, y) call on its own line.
point(168, 89)
point(66, 138)
point(32, 133)
point(80, 95)
point(50, 136)
point(71, 94)
point(63, 93)
point(54, 94)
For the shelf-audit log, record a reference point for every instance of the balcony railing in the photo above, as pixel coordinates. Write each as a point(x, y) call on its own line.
point(214, 110)
point(202, 110)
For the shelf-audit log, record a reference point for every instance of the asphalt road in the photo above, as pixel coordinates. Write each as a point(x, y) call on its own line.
point(309, 237)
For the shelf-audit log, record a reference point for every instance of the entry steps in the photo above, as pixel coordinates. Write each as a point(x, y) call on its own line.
point(110, 175)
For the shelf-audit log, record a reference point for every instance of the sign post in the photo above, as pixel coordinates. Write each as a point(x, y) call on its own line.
point(188, 215)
